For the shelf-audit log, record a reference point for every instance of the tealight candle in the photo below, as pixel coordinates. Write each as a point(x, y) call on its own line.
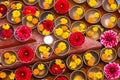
point(48, 39)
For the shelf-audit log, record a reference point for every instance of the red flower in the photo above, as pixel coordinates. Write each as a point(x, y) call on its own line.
point(61, 6)
point(23, 73)
point(26, 53)
point(61, 78)
point(55, 69)
point(29, 10)
point(23, 32)
point(76, 39)
point(6, 33)
point(3, 9)
point(48, 25)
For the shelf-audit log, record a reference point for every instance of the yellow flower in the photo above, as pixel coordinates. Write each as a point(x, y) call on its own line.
point(12, 59)
point(48, 1)
point(92, 3)
point(45, 32)
point(96, 14)
point(65, 35)
point(58, 61)
point(112, 19)
point(16, 13)
point(72, 65)
point(78, 77)
point(62, 46)
point(37, 13)
point(59, 31)
point(95, 29)
point(82, 27)
point(79, 11)
point(6, 26)
point(108, 52)
point(99, 75)
point(29, 18)
point(18, 6)
point(41, 66)
point(78, 61)
point(113, 6)
point(50, 17)
point(5, 3)
point(63, 21)
point(31, 1)
point(44, 49)
point(12, 76)
point(88, 56)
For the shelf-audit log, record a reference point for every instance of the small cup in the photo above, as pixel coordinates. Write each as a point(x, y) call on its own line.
point(30, 3)
point(109, 55)
point(3, 10)
point(98, 3)
point(70, 60)
point(91, 58)
point(80, 74)
point(76, 14)
point(118, 52)
point(79, 1)
point(43, 3)
point(16, 5)
point(92, 16)
point(63, 77)
point(43, 72)
point(106, 22)
point(118, 22)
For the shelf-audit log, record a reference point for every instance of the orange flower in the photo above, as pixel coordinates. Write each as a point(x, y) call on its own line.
point(91, 62)
point(111, 1)
point(17, 20)
point(57, 50)
point(74, 57)
point(104, 56)
point(40, 27)
point(35, 71)
point(76, 16)
point(91, 74)
point(13, 6)
point(35, 21)
point(64, 28)
point(7, 55)
point(89, 33)
point(110, 24)
point(45, 55)
point(46, 5)
point(74, 29)
point(1, 14)
point(90, 19)
point(62, 66)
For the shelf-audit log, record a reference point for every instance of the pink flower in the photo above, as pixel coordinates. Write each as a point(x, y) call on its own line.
point(29, 10)
point(109, 38)
point(7, 33)
point(62, 6)
point(112, 70)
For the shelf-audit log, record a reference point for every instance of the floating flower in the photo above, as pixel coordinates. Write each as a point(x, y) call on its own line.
point(112, 70)
point(29, 10)
point(50, 17)
point(61, 78)
point(23, 73)
point(61, 6)
point(23, 32)
point(3, 10)
point(12, 76)
point(7, 33)
point(48, 25)
point(55, 69)
point(26, 53)
point(76, 39)
point(16, 13)
point(3, 75)
point(109, 38)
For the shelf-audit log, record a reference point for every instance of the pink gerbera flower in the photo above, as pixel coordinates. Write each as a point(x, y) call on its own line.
point(109, 38)
point(112, 70)
point(62, 6)
point(29, 10)
point(23, 73)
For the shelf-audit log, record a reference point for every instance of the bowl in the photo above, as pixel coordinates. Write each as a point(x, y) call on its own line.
point(16, 5)
point(28, 2)
point(94, 3)
point(79, 1)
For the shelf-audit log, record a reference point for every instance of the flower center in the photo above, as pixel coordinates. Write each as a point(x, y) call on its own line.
point(108, 38)
point(29, 11)
point(112, 70)
point(1, 9)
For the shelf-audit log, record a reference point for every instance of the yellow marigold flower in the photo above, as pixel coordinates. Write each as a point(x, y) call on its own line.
point(88, 56)
point(12, 76)
point(12, 59)
point(92, 3)
point(78, 77)
point(72, 65)
point(37, 13)
point(58, 61)
point(50, 17)
point(5, 3)
point(18, 5)
point(3, 75)
point(45, 32)
point(99, 75)
point(95, 29)
point(65, 35)
point(44, 48)
point(49, 1)
point(79, 11)
point(29, 18)
point(113, 6)
point(108, 52)
point(6, 26)
point(63, 21)
point(82, 27)
point(78, 61)
point(96, 14)
point(41, 66)
point(59, 31)
point(112, 19)
point(16, 13)
point(31, 1)
point(62, 46)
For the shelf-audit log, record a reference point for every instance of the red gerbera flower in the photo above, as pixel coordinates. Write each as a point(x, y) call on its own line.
point(55, 69)
point(61, 78)
point(6, 33)
point(23, 73)
point(61, 6)
point(3, 9)
point(29, 10)
point(76, 39)
point(23, 32)
point(26, 54)
point(48, 25)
